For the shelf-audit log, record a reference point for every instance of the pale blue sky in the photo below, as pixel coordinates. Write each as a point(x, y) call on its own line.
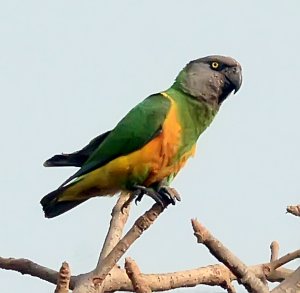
point(70, 70)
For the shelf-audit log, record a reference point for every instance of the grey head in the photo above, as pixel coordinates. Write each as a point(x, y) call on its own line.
point(210, 79)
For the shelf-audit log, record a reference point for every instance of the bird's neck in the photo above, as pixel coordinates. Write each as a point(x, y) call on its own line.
point(195, 115)
point(196, 93)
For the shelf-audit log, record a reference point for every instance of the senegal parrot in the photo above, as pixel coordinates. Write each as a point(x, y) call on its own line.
point(149, 146)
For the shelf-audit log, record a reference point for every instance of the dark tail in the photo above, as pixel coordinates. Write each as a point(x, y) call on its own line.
point(53, 208)
point(77, 159)
point(66, 160)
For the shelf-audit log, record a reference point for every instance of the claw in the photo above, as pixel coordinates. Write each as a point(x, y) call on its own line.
point(136, 194)
point(169, 198)
point(170, 193)
point(138, 198)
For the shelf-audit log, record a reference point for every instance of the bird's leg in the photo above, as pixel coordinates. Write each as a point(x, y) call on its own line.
point(170, 193)
point(135, 194)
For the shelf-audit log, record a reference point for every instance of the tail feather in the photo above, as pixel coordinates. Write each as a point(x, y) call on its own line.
point(65, 160)
point(77, 159)
point(53, 208)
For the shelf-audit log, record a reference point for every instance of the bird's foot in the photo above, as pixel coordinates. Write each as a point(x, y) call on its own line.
point(163, 196)
point(159, 198)
point(170, 193)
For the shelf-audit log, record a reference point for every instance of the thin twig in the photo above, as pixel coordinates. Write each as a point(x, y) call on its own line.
point(63, 280)
point(117, 223)
point(140, 225)
point(138, 282)
point(274, 250)
point(223, 254)
point(294, 210)
point(284, 259)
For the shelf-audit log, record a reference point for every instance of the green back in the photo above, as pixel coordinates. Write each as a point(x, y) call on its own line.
point(134, 131)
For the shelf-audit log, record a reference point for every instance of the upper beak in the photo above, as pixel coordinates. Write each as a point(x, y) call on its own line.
point(234, 76)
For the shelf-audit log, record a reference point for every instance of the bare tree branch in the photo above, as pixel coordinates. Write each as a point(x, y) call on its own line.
point(212, 275)
point(140, 225)
point(294, 210)
point(134, 274)
point(63, 280)
point(223, 254)
point(274, 250)
point(119, 218)
point(290, 285)
point(28, 267)
point(117, 280)
point(117, 223)
point(230, 288)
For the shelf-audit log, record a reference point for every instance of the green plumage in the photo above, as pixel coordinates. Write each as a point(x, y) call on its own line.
point(137, 128)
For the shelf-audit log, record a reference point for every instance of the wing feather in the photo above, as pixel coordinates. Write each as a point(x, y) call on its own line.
point(136, 129)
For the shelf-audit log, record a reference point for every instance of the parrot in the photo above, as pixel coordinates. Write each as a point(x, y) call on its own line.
point(150, 145)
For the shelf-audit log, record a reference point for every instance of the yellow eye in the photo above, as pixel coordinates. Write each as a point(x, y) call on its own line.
point(214, 65)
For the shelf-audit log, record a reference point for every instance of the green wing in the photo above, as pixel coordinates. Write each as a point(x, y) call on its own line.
point(135, 130)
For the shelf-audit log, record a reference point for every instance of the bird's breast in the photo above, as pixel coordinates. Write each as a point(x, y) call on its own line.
point(169, 141)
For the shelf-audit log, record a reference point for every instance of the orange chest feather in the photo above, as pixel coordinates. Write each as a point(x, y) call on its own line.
point(165, 146)
point(170, 137)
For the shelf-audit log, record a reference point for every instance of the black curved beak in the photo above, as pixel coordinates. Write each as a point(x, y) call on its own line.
point(234, 76)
